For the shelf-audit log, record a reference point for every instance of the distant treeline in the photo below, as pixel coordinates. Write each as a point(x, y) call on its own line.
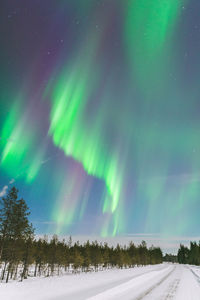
point(170, 258)
point(186, 255)
point(21, 255)
point(189, 255)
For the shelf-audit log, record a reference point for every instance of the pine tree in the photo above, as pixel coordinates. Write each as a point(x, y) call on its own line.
point(78, 260)
point(14, 227)
point(6, 217)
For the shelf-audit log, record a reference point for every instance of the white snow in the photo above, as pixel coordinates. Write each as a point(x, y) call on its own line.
point(189, 286)
point(151, 282)
point(134, 287)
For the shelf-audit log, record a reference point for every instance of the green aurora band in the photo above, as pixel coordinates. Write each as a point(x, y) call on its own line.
point(150, 25)
point(75, 137)
point(20, 155)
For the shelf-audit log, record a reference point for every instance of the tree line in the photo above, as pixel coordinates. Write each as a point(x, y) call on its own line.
point(22, 255)
point(170, 258)
point(189, 255)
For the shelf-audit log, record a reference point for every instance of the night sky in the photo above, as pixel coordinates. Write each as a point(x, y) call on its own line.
point(100, 114)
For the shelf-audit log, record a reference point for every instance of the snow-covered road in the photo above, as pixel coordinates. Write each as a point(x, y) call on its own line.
point(160, 282)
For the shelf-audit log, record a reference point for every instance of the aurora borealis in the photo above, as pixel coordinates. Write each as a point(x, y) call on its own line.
point(99, 114)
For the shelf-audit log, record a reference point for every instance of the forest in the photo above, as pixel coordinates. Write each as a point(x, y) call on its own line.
point(189, 255)
point(23, 254)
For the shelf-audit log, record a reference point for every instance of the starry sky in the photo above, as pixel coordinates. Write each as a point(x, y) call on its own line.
point(100, 114)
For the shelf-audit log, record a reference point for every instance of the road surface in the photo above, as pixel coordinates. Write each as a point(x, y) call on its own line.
point(160, 282)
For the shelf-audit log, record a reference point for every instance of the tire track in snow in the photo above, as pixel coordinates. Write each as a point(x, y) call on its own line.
point(93, 291)
point(189, 287)
point(195, 275)
point(136, 288)
point(172, 290)
point(147, 292)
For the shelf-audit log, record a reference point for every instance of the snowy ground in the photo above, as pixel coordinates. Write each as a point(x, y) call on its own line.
point(160, 282)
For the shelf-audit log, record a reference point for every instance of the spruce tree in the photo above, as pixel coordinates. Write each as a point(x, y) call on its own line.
point(14, 228)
